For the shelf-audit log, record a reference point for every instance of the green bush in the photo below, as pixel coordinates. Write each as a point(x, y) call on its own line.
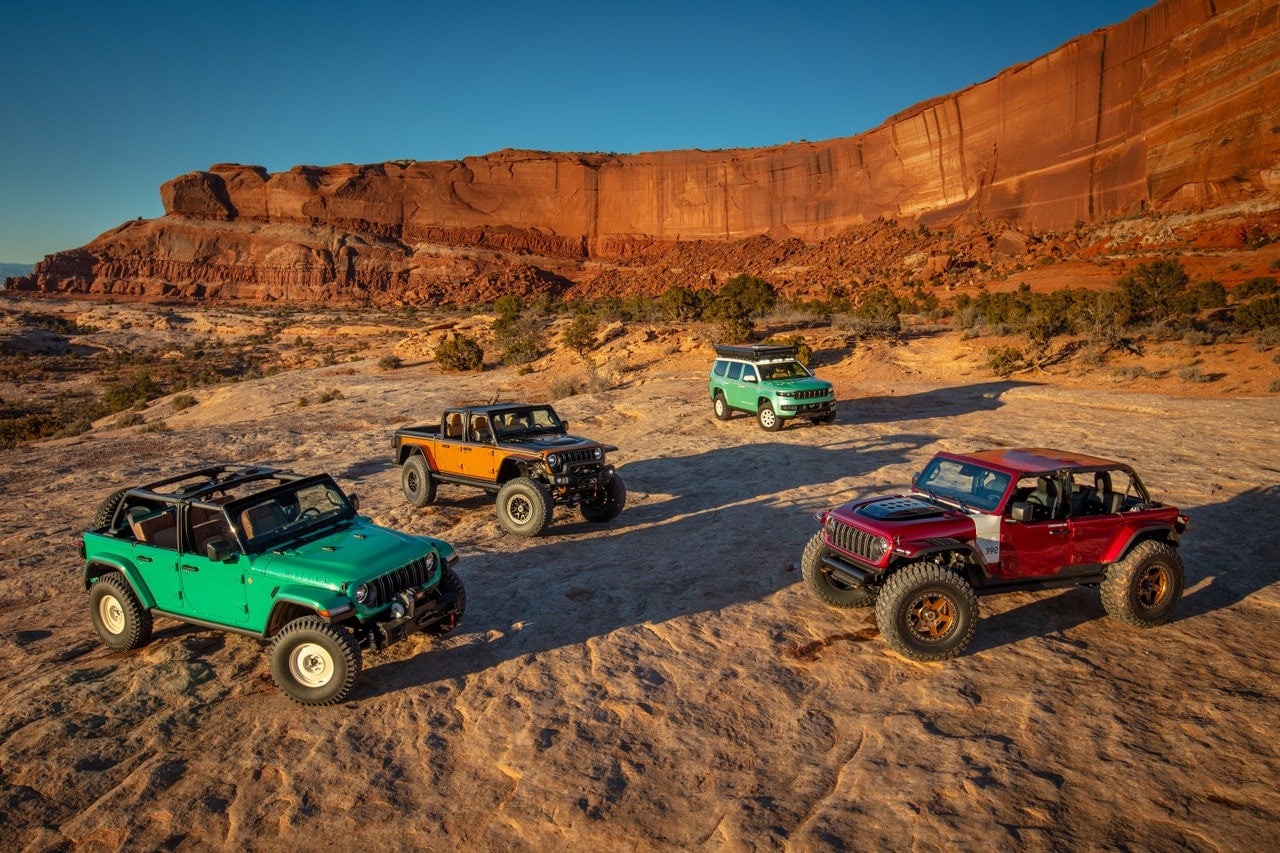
point(460, 353)
point(522, 350)
point(1003, 361)
point(1261, 313)
point(804, 353)
point(580, 335)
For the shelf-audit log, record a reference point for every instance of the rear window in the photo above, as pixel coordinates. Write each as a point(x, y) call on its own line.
point(735, 370)
point(719, 367)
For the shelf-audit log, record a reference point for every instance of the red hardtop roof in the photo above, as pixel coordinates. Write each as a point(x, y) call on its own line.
point(1037, 460)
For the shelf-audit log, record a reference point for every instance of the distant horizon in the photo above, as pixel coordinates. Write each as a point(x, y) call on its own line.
point(120, 106)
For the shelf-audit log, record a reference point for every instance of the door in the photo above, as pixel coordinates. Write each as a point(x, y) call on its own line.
point(213, 590)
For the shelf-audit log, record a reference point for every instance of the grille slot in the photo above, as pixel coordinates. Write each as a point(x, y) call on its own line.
point(811, 395)
point(852, 540)
point(414, 574)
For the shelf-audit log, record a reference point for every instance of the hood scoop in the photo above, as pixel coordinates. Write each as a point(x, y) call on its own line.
point(899, 509)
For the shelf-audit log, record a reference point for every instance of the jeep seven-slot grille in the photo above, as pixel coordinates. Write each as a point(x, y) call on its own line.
point(415, 574)
point(577, 457)
point(809, 395)
point(861, 544)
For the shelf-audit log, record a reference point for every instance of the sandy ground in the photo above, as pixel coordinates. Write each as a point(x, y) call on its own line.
point(664, 681)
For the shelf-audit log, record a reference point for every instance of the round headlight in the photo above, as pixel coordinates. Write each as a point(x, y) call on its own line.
point(553, 461)
point(362, 594)
point(599, 452)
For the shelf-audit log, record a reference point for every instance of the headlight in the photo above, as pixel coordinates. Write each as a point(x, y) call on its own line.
point(553, 461)
point(786, 393)
point(599, 453)
point(362, 594)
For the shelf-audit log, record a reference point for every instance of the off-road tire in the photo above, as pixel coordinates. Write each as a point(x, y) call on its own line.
point(416, 482)
point(524, 507)
point(720, 406)
point(107, 509)
point(926, 613)
point(314, 662)
point(768, 418)
point(449, 584)
point(615, 499)
point(818, 578)
point(118, 616)
point(1143, 588)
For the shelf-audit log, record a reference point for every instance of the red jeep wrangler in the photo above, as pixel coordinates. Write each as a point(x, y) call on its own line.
point(997, 521)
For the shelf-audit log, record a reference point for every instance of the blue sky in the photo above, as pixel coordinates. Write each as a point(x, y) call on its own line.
point(100, 103)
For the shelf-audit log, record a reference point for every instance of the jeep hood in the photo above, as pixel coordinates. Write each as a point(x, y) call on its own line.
point(798, 384)
point(351, 554)
point(905, 516)
point(551, 442)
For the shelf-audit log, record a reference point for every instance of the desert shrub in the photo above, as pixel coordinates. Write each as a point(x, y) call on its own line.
point(1151, 289)
point(330, 395)
point(737, 330)
point(1004, 360)
point(1201, 296)
point(182, 401)
point(459, 352)
point(1194, 374)
point(129, 419)
point(745, 295)
point(1261, 313)
point(522, 350)
point(1131, 371)
point(390, 362)
point(682, 304)
point(580, 335)
point(138, 387)
point(876, 315)
point(1263, 285)
point(1274, 386)
point(508, 306)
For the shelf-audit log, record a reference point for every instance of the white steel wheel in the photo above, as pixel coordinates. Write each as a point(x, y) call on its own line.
point(311, 665)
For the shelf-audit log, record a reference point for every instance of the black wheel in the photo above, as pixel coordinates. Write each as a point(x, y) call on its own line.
point(314, 662)
point(451, 584)
point(1144, 588)
point(926, 613)
point(524, 507)
point(768, 418)
point(605, 507)
point(416, 482)
point(107, 509)
point(120, 619)
point(721, 407)
point(820, 582)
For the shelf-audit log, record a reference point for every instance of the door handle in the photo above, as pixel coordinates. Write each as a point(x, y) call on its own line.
point(187, 568)
point(142, 559)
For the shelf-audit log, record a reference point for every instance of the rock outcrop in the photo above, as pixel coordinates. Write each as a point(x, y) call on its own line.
point(1177, 108)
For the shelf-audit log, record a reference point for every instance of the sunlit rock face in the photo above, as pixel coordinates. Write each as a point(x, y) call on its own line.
point(1177, 108)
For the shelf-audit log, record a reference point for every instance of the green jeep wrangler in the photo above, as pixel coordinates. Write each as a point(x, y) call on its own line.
point(769, 381)
point(276, 555)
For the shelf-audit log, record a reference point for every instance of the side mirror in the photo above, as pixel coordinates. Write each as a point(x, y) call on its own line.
point(751, 378)
point(354, 500)
point(1020, 512)
point(217, 550)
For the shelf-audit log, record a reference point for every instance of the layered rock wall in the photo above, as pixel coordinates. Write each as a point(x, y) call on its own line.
point(1176, 108)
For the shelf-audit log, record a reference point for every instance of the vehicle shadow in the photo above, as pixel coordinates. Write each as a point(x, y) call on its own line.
point(1220, 572)
point(731, 534)
point(953, 400)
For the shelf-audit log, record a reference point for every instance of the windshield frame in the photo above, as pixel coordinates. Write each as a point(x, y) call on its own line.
point(988, 497)
point(292, 501)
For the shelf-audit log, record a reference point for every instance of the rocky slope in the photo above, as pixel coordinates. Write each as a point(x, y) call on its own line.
point(1176, 109)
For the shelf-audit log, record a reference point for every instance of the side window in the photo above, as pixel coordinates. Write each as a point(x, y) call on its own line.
point(720, 367)
point(735, 370)
point(748, 373)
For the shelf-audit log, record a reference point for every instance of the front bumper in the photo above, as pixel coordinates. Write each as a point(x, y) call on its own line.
point(794, 408)
point(572, 486)
point(421, 610)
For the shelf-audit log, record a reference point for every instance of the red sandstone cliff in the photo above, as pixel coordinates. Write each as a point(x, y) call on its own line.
point(1176, 108)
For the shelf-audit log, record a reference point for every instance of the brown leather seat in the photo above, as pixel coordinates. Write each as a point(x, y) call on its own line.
point(261, 519)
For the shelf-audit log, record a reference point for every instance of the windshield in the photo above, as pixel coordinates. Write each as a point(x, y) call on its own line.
point(784, 370)
point(291, 512)
point(964, 483)
point(526, 421)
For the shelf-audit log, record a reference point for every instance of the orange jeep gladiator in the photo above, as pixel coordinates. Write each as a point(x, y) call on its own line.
point(521, 452)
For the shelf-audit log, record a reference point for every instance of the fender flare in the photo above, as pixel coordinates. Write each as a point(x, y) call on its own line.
point(1119, 547)
point(100, 566)
point(945, 545)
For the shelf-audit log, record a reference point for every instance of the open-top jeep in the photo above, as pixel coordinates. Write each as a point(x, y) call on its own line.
point(769, 382)
point(521, 452)
point(269, 553)
point(997, 521)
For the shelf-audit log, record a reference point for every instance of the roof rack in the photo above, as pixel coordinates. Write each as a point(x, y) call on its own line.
point(758, 352)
